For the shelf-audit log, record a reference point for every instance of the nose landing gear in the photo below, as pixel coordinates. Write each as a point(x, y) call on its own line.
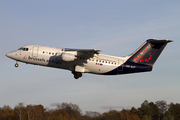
point(77, 74)
point(16, 65)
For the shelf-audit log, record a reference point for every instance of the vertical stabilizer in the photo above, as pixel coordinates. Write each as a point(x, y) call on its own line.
point(148, 52)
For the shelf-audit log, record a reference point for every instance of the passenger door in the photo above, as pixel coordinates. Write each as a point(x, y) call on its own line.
point(35, 51)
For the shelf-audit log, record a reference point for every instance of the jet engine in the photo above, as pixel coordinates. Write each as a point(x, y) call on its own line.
point(68, 57)
point(65, 57)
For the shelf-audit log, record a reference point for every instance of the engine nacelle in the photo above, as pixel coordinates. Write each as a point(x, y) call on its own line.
point(67, 57)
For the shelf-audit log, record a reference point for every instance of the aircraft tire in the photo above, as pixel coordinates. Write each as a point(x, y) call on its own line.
point(16, 65)
point(79, 74)
point(76, 76)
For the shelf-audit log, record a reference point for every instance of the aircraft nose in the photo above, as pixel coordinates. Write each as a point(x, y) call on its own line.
point(8, 54)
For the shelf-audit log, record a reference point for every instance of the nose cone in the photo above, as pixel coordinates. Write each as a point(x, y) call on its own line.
point(9, 54)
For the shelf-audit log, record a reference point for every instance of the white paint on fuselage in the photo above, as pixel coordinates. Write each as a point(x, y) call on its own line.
point(46, 56)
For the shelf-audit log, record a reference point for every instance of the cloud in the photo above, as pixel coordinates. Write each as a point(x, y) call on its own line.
point(116, 107)
point(54, 104)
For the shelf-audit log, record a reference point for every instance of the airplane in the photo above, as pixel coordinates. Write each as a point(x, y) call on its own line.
point(80, 61)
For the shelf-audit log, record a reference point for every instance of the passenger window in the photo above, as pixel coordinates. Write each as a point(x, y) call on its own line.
point(26, 49)
point(49, 52)
point(96, 60)
point(52, 53)
point(43, 52)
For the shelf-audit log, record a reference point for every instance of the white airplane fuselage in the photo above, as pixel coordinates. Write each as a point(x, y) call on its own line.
point(46, 56)
point(89, 61)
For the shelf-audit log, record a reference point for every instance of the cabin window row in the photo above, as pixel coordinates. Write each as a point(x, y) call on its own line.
point(104, 61)
point(107, 62)
point(48, 53)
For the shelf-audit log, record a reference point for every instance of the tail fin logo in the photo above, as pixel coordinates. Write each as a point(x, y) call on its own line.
point(141, 53)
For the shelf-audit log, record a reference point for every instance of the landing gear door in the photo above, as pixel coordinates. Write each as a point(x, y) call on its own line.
point(35, 51)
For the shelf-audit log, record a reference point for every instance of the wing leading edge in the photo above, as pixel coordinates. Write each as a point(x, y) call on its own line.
point(86, 53)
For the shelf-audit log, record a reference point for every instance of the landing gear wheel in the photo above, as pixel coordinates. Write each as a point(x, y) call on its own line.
point(77, 74)
point(16, 65)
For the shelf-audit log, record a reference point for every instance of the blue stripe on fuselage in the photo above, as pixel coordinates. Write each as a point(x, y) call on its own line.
point(129, 67)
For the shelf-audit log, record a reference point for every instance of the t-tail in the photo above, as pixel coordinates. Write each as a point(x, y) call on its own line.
point(148, 52)
point(143, 58)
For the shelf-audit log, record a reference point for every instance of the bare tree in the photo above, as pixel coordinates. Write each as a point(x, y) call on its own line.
point(20, 111)
point(162, 105)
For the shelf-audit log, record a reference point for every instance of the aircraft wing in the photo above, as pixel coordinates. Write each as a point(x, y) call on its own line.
point(86, 53)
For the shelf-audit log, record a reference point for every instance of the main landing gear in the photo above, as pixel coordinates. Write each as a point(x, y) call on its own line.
point(16, 65)
point(77, 74)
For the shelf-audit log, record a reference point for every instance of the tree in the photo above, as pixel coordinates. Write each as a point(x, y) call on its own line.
point(30, 112)
point(145, 110)
point(20, 111)
point(129, 114)
point(72, 110)
point(174, 110)
point(7, 113)
point(111, 115)
point(146, 117)
point(69, 111)
point(34, 112)
point(162, 106)
point(155, 111)
point(167, 116)
point(61, 114)
point(133, 115)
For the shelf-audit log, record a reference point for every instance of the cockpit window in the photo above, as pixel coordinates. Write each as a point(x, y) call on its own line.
point(20, 48)
point(23, 49)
